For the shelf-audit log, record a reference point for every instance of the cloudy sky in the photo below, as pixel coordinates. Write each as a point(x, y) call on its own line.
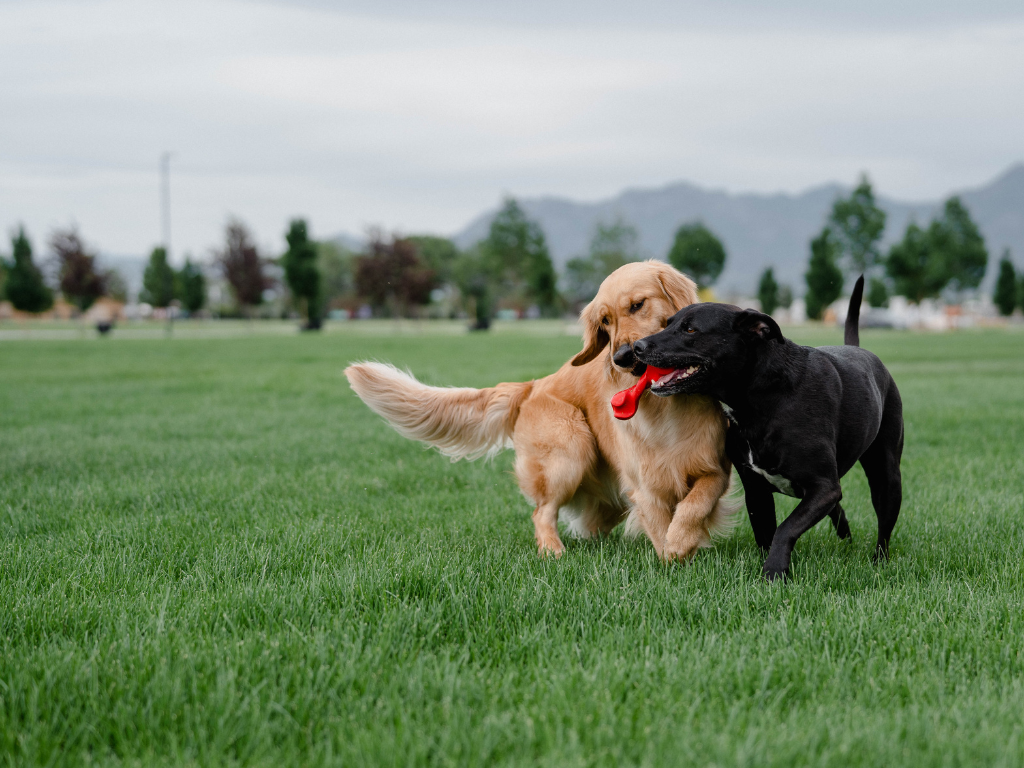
point(419, 115)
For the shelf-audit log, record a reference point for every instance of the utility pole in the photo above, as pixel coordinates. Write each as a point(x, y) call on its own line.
point(165, 201)
point(165, 216)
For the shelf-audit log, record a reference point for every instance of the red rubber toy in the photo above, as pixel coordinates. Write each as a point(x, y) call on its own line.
point(624, 403)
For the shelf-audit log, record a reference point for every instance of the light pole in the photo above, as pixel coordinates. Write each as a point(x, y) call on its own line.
point(165, 201)
point(165, 217)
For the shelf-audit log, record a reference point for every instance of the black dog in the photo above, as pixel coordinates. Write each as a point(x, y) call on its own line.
point(800, 417)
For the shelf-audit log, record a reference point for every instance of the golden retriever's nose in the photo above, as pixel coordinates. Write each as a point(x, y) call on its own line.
point(623, 357)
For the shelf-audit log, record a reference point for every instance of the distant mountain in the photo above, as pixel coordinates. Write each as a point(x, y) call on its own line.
point(757, 230)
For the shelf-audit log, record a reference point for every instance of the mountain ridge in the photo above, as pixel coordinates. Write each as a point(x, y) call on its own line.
point(757, 229)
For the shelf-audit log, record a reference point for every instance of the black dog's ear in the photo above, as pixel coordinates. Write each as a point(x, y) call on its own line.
point(756, 325)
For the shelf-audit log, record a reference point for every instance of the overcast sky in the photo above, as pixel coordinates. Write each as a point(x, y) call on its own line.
point(419, 115)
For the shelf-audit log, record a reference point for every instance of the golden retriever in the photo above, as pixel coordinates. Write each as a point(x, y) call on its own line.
point(665, 468)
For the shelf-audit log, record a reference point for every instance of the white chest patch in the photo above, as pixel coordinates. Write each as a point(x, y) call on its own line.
point(778, 481)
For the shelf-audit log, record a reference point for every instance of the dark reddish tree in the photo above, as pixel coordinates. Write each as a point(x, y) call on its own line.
point(242, 265)
point(393, 276)
point(80, 283)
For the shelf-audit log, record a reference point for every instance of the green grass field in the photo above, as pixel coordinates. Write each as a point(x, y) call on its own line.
point(212, 553)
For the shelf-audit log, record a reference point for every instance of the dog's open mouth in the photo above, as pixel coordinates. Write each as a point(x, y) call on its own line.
point(676, 380)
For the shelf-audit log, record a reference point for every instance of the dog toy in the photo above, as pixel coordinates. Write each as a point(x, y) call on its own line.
point(624, 403)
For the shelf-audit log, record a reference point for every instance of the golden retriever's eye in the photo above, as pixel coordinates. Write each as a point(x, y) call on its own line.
point(604, 321)
point(637, 306)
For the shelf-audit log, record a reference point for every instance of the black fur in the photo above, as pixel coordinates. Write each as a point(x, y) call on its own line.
point(801, 414)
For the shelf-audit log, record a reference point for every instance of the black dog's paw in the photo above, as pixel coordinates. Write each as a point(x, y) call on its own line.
point(772, 575)
point(881, 555)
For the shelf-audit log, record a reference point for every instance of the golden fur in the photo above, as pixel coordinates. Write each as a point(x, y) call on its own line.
point(665, 468)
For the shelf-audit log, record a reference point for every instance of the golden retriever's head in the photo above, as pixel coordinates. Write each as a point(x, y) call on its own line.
point(634, 301)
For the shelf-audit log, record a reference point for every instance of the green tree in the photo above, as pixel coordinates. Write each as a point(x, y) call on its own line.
point(301, 271)
point(858, 223)
point(24, 286)
point(613, 245)
point(337, 273)
point(1005, 296)
point(80, 283)
point(785, 296)
point(824, 277)
point(158, 280)
point(581, 279)
point(190, 286)
point(117, 286)
point(517, 256)
point(697, 252)
point(439, 254)
point(768, 292)
point(878, 292)
point(915, 271)
point(958, 245)
point(475, 280)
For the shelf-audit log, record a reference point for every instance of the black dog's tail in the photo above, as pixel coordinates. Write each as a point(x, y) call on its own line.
point(851, 337)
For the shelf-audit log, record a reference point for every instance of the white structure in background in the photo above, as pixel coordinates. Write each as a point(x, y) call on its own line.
point(929, 315)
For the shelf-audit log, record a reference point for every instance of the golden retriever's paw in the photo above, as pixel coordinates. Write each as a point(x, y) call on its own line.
point(550, 548)
point(680, 550)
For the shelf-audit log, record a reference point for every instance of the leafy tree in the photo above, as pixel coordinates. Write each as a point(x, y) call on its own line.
point(824, 277)
point(613, 245)
point(117, 286)
point(80, 283)
point(581, 280)
point(1005, 296)
point(878, 292)
point(24, 286)
point(337, 273)
point(785, 296)
point(158, 280)
point(858, 223)
point(768, 292)
point(959, 246)
point(914, 267)
point(439, 254)
point(190, 286)
point(517, 256)
point(302, 272)
point(697, 252)
point(242, 266)
point(391, 275)
point(475, 281)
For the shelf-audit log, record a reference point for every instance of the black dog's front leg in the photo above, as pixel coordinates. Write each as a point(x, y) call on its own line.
point(820, 499)
point(760, 499)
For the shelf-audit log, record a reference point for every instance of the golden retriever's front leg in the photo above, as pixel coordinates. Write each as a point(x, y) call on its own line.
point(655, 516)
point(689, 527)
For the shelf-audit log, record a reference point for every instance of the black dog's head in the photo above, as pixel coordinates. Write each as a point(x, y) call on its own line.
point(708, 345)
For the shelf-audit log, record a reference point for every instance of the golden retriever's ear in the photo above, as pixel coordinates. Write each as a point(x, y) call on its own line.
point(680, 290)
point(595, 337)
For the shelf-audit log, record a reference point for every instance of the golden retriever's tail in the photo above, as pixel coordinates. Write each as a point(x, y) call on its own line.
point(460, 422)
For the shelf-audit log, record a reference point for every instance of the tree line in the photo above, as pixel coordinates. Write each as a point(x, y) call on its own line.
point(947, 255)
point(511, 269)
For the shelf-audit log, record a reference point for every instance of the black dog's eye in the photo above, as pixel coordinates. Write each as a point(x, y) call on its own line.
point(604, 321)
point(636, 307)
point(690, 329)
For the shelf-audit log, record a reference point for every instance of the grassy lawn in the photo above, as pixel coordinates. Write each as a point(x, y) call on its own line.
point(212, 553)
